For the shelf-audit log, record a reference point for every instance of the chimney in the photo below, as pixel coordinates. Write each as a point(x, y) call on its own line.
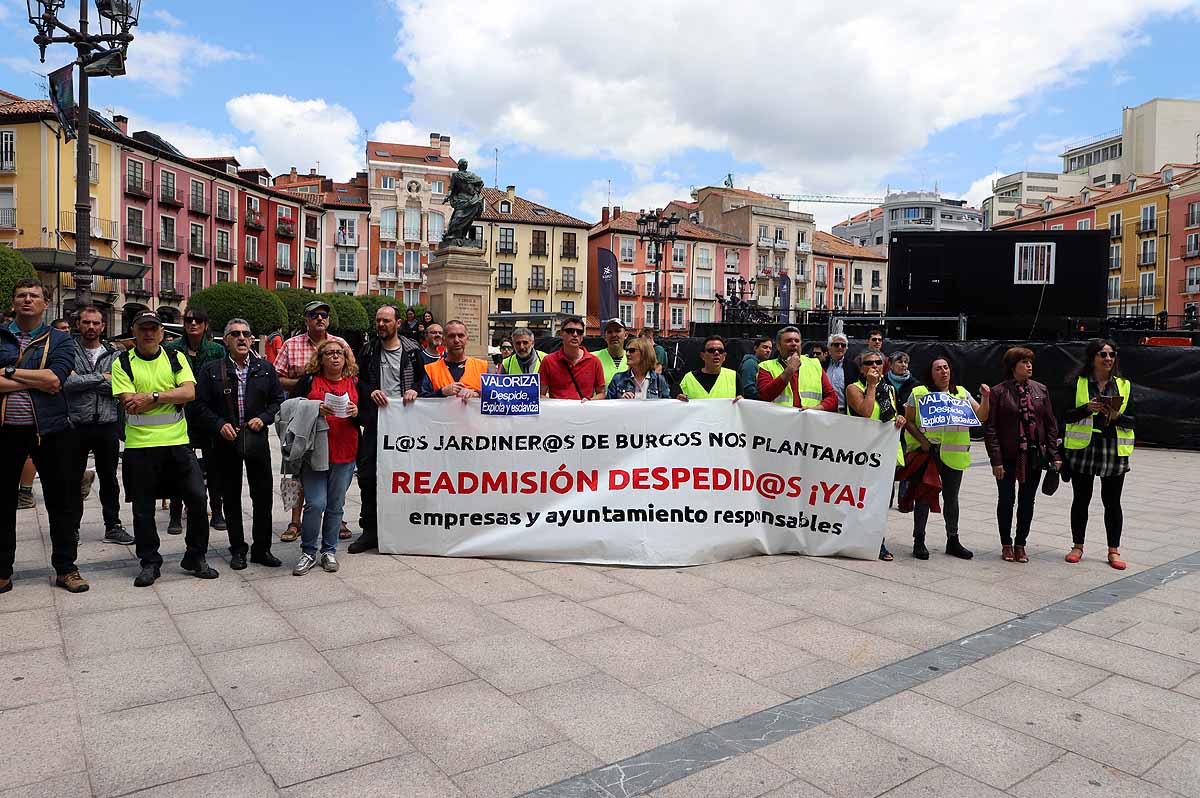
point(312, 171)
point(435, 141)
point(604, 215)
point(292, 172)
point(511, 191)
point(122, 123)
point(444, 144)
point(616, 212)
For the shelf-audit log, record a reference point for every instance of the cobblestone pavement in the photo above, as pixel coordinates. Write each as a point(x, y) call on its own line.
point(771, 676)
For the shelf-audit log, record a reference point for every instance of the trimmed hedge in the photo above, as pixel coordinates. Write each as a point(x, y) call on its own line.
point(13, 267)
point(294, 299)
point(349, 318)
point(225, 301)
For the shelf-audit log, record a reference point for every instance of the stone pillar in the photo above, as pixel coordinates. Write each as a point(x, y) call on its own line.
point(459, 286)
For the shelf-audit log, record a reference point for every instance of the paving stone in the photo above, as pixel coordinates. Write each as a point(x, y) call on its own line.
point(578, 583)
point(159, 743)
point(28, 630)
point(1042, 670)
point(286, 592)
point(109, 591)
point(745, 776)
point(633, 657)
point(839, 643)
point(524, 566)
point(1163, 639)
point(1110, 655)
point(1073, 775)
point(41, 742)
point(409, 776)
point(974, 747)
point(845, 761)
point(228, 628)
point(744, 610)
point(346, 624)
point(1190, 687)
point(677, 584)
point(33, 677)
point(466, 726)
point(453, 621)
point(315, 735)
point(943, 783)
point(649, 613)
point(1132, 611)
point(552, 617)
point(796, 789)
point(75, 785)
point(185, 596)
point(1076, 727)
point(247, 781)
point(112, 682)
point(119, 630)
point(816, 674)
point(980, 618)
point(519, 774)
point(750, 653)
point(836, 605)
point(490, 586)
point(517, 662)
point(711, 696)
point(254, 675)
point(912, 630)
point(1163, 709)
point(961, 686)
point(29, 594)
point(1175, 596)
point(981, 592)
point(396, 667)
point(1178, 771)
point(398, 590)
point(436, 566)
point(607, 718)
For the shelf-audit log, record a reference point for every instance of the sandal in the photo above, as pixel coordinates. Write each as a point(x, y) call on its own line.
point(1114, 560)
point(1019, 554)
point(1075, 554)
point(344, 533)
point(884, 554)
point(1006, 553)
point(291, 533)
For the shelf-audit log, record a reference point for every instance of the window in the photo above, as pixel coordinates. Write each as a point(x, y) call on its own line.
point(387, 263)
point(283, 213)
point(875, 302)
point(537, 277)
point(347, 264)
point(626, 250)
point(731, 287)
point(857, 277)
point(412, 296)
point(412, 264)
point(762, 261)
point(762, 232)
point(568, 278)
point(252, 204)
point(506, 242)
point(625, 283)
point(779, 234)
point(223, 244)
point(437, 187)
point(876, 280)
point(839, 275)
point(537, 306)
point(505, 206)
point(650, 315)
point(1146, 284)
point(437, 227)
point(347, 232)
point(1114, 256)
point(166, 275)
point(625, 310)
point(703, 288)
point(1193, 279)
point(539, 243)
point(225, 206)
point(251, 281)
point(1056, 227)
point(310, 227)
point(677, 286)
point(676, 317)
point(819, 300)
point(839, 300)
point(1114, 222)
point(134, 229)
point(1114, 288)
point(283, 254)
point(283, 284)
point(1193, 214)
point(702, 315)
point(1149, 252)
point(222, 277)
point(197, 194)
point(197, 279)
point(731, 260)
point(387, 181)
point(310, 259)
point(8, 151)
point(135, 171)
point(1149, 218)
point(167, 181)
point(856, 302)
point(1192, 245)
point(166, 226)
point(679, 255)
point(93, 163)
point(412, 224)
point(504, 304)
point(568, 245)
point(567, 307)
point(196, 237)
point(1034, 263)
point(703, 257)
point(387, 223)
point(1083, 224)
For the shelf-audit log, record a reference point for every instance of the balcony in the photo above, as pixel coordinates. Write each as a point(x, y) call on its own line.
point(105, 229)
point(1189, 286)
point(414, 276)
point(570, 253)
point(766, 242)
point(570, 286)
point(137, 289)
point(387, 274)
point(198, 205)
point(388, 233)
point(170, 291)
point(1148, 259)
point(198, 249)
point(8, 165)
point(820, 281)
point(506, 283)
point(346, 275)
point(169, 195)
point(802, 246)
point(138, 236)
point(538, 284)
point(1147, 226)
point(1114, 232)
point(224, 212)
point(626, 289)
point(136, 187)
point(94, 172)
point(506, 247)
point(224, 253)
point(781, 243)
point(100, 285)
point(731, 268)
point(650, 292)
point(1189, 250)
point(8, 218)
point(801, 276)
point(254, 220)
point(310, 268)
point(876, 285)
point(678, 325)
point(343, 239)
point(412, 233)
point(285, 228)
point(839, 282)
point(284, 269)
point(539, 251)
point(677, 292)
point(253, 264)
point(168, 242)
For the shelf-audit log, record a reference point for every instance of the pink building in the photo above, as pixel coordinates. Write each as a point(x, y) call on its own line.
point(1183, 257)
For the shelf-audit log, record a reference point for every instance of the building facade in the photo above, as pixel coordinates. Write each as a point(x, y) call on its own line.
point(1183, 253)
point(1157, 132)
point(908, 210)
point(846, 277)
point(1026, 187)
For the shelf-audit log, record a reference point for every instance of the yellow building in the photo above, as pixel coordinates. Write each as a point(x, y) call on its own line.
point(37, 200)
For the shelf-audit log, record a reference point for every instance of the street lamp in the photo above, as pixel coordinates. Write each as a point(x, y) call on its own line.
point(658, 230)
point(100, 55)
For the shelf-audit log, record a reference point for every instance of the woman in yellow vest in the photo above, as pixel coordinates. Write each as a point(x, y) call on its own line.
point(1098, 442)
point(953, 453)
point(871, 397)
point(711, 381)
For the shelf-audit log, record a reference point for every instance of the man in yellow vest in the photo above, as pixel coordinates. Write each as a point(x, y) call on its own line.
point(612, 358)
point(712, 381)
point(454, 374)
point(526, 359)
point(792, 379)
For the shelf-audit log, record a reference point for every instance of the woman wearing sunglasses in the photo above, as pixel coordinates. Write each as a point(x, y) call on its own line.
point(874, 398)
point(1098, 442)
point(641, 380)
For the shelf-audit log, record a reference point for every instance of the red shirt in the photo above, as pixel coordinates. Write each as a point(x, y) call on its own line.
point(343, 432)
point(557, 372)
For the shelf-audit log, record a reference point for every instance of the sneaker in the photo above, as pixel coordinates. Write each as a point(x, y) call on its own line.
point(72, 582)
point(25, 500)
point(85, 487)
point(118, 535)
point(304, 565)
point(146, 576)
point(329, 562)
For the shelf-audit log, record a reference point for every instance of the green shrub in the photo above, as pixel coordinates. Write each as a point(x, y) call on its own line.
point(13, 266)
point(225, 301)
point(294, 299)
point(349, 319)
point(373, 302)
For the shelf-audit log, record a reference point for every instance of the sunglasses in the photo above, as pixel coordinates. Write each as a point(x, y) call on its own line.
point(239, 334)
point(872, 362)
point(633, 351)
point(192, 321)
point(506, 346)
point(837, 346)
point(712, 351)
point(573, 331)
point(320, 314)
point(1108, 355)
point(875, 338)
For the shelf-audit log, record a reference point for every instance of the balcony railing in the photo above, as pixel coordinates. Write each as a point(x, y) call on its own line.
point(538, 284)
point(198, 249)
point(310, 268)
point(626, 289)
point(100, 285)
point(8, 165)
point(254, 264)
point(839, 282)
point(137, 288)
point(412, 234)
point(1148, 226)
point(570, 253)
point(100, 228)
point(801, 276)
point(803, 246)
point(388, 233)
point(346, 239)
point(8, 218)
point(1189, 286)
point(820, 281)
point(198, 205)
point(781, 243)
point(1148, 259)
point(1190, 249)
point(766, 241)
point(412, 275)
point(570, 286)
point(678, 325)
point(169, 195)
point(285, 228)
point(1114, 232)
point(254, 220)
point(225, 212)
point(677, 292)
point(168, 242)
point(876, 285)
point(138, 188)
point(506, 283)
point(224, 253)
point(387, 274)
point(650, 292)
point(141, 236)
point(506, 247)
point(284, 268)
point(539, 251)
point(173, 291)
point(347, 275)
point(94, 172)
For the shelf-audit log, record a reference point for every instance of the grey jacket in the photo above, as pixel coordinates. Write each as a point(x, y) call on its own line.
point(303, 436)
point(89, 395)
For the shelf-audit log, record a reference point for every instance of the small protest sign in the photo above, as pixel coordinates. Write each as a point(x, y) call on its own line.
point(940, 409)
point(509, 394)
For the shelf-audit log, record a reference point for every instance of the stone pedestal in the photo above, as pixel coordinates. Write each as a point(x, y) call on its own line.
point(459, 286)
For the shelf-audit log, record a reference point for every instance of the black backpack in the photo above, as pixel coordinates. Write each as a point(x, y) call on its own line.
point(172, 356)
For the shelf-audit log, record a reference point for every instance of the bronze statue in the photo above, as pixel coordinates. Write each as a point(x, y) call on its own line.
point(466, 197)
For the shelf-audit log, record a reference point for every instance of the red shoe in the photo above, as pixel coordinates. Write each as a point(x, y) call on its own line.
point(1006, 553)
point(1114, 560)
point(1075, 554)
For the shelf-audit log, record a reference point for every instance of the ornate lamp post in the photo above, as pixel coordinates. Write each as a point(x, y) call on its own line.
point(658, 231)
point(101, 54)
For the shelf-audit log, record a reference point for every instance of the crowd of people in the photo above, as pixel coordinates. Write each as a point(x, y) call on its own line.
point(64, 396)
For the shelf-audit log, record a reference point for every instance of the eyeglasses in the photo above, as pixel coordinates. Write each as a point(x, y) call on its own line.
point(1108, 355)
point(572, 331)
point(320, 314)
point(712, 351)
point(836, 345)
point(239, 334)
point(506, 346)
point(333, 353)
point(872, 362)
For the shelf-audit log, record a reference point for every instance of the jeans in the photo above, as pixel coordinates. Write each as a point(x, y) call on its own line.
point(54, 456)
point(1110, 494)
point(951, 482)
point(1024, 496)
point(324, 500)
point(368, 518)
point(175, 469)
point(103, 441)
point(227, 464)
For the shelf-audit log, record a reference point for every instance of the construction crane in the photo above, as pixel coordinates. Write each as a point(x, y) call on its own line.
point(828, 198)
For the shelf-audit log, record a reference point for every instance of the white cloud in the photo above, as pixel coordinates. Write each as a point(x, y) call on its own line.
point(980, 189)
point(1007, 124)
point(195, 141)
point(167, 18)
point(1120, 76)
point(291, 132)
point(399, 132)
point(842, 111)
point(537, 195)
point(641, 197)
point(168, 60)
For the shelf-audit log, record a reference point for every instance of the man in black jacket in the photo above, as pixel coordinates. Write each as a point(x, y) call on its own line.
point(392, 367)
point(237, 399)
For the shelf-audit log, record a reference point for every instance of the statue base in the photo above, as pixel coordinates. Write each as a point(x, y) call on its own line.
point(459, 286)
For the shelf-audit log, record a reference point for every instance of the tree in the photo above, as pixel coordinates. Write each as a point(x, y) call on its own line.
point(294, 299)
point(349, 318)
point(372, 303)
point(225, 301)
point(13, 266)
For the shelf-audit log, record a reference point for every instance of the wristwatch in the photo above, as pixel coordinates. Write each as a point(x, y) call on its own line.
point(154, 396)
point(9, 371)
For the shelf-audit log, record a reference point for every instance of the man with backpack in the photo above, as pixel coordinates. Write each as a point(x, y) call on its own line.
point(154, 384)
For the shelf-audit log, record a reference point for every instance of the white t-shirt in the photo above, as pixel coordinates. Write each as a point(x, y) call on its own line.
point(93, 354)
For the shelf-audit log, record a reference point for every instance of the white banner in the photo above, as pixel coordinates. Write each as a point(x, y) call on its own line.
point(633, 483)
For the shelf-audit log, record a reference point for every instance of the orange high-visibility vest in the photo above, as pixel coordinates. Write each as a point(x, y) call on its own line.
point(439, 373)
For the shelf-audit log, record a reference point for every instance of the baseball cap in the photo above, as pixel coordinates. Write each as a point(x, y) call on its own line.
point(146, 316)
point(316, 304)
point(615, 321)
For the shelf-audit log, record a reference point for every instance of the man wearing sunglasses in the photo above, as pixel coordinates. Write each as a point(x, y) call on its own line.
point(573, 372)
point(840, 369)
point(712, 381)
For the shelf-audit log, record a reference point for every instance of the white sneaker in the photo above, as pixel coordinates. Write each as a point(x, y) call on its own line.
point(329, 562)
point(304, 565)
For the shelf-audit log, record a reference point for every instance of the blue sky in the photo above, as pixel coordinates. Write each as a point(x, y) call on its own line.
point(808, 101)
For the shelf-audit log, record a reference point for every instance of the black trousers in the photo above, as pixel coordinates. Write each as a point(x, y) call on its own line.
point(226, 472)
point(102, 441)
point(368, 519)
point(214, 489)
point(1024, 497)
point(54, 456)
point(1110, 494)
point(157, 471)
point(951, 483)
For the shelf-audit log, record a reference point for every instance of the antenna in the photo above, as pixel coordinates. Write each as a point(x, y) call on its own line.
point(608, 198)
point(496, 179)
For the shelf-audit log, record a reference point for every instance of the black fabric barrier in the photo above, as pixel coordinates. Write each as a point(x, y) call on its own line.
point(1166, 379)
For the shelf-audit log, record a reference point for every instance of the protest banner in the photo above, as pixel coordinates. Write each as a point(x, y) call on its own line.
point(635, 483)
point(940, 409)
point(509, 394)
